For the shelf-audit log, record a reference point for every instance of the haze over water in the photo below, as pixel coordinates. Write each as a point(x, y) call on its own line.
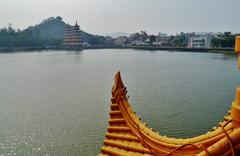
point(57, 102)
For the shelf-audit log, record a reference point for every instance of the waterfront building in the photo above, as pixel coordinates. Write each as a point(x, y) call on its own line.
point(138, 37)
point(72, 37)
point(202, 40)
point(121, 40)
point(180, 40)
point(137, 43)
point(162, 39)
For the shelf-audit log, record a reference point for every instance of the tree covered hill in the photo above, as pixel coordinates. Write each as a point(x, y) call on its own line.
point(50, 32)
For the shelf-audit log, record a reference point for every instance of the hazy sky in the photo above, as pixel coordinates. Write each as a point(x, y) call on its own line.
point(106, 16)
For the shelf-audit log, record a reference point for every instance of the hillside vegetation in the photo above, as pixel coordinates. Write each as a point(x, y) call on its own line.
point(50, 32)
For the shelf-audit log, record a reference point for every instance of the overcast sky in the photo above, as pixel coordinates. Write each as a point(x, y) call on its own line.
point(106, 16)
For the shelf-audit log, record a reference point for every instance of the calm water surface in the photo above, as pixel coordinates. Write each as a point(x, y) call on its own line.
point(57, 102)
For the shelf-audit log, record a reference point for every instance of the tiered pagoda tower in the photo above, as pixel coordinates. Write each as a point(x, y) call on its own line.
point(72, 37)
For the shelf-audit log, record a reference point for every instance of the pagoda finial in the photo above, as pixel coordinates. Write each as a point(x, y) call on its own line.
point(76, 24)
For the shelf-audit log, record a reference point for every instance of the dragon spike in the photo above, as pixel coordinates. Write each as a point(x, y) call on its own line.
point(117, 82)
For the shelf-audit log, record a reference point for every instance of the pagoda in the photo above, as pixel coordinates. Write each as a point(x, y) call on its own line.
point(72, 37)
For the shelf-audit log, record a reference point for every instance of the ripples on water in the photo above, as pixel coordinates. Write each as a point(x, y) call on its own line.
point(57, 103)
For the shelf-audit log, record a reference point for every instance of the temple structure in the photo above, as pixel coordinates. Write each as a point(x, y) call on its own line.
point(127, 135)
point(72, 37)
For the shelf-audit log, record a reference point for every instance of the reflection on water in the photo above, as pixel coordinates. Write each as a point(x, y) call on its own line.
point(57, 102)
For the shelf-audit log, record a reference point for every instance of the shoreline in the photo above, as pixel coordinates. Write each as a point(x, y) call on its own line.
point(229, 51)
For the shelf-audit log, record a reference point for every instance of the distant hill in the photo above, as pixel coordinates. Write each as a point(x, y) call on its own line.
point(50, 32)
point(118, 34)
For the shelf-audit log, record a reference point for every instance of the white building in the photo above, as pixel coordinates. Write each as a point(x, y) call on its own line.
point(202, 40)
point(137, 43)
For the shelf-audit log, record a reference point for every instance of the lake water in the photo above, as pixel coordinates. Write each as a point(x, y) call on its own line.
point(57, 102)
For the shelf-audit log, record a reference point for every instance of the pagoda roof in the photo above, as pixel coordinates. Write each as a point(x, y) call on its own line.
point(127, 135)
point(76, 24)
